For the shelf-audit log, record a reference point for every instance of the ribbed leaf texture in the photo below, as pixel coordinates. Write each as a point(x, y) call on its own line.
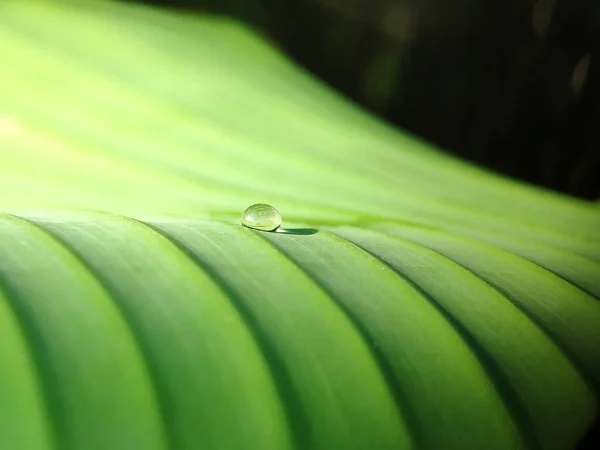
point(411, 302)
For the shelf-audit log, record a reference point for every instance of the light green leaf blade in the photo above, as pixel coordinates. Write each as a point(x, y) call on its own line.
point(446, 307)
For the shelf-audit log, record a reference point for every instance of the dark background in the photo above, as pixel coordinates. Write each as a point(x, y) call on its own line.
point(513, 85)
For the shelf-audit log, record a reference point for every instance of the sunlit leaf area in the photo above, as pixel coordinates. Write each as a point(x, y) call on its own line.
point(408, 301)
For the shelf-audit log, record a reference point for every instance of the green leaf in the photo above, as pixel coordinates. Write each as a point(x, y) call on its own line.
point(412, 301)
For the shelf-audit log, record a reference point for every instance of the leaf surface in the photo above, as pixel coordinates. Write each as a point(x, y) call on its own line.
point(412, 301)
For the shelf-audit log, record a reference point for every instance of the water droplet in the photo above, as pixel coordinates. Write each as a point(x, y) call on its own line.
point(261, 216)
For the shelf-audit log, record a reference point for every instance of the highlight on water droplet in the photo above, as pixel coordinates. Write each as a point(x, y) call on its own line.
point(261, 216)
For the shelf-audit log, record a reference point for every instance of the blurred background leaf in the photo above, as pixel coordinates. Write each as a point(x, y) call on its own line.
point(512, 85)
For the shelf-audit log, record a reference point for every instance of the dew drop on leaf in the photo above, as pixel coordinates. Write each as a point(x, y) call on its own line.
point(261, 216)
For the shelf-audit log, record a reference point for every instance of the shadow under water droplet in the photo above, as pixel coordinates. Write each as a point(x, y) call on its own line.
point(297, 231)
